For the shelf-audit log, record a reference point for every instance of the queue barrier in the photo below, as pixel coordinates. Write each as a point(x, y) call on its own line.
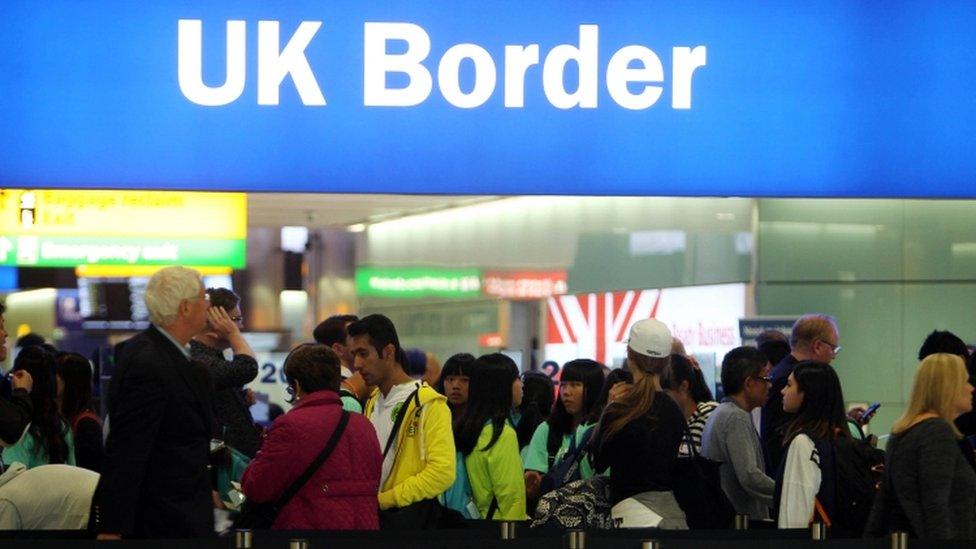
point(485, 535)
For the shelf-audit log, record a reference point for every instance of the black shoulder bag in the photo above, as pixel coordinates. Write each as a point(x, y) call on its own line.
point(698, 490)
point(260, 516)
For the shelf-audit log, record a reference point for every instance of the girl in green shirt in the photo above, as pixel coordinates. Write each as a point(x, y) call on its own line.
point(489, 443)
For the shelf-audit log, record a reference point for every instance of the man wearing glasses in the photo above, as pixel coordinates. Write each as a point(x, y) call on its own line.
point(731, 439)
point(235, 425)
point(814, 337)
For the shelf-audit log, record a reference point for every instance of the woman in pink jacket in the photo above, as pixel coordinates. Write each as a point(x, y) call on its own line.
point(341, 495)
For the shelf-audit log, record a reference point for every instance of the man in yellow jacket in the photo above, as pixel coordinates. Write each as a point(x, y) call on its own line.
point(413, 425)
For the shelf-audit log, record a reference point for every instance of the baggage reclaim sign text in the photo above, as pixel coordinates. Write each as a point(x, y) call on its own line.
point(634, 76)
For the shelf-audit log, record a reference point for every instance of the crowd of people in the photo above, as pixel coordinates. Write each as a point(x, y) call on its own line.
point(379, 437)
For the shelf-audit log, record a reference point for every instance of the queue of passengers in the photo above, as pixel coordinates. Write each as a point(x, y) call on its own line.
point(370, 444)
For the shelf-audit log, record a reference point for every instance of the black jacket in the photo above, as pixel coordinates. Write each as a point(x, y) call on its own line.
point(154, 480)
point(235, 426)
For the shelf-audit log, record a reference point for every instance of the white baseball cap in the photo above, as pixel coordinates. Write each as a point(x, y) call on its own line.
point(650, 337)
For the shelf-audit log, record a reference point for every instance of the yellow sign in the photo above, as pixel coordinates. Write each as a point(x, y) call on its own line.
point(167, 214)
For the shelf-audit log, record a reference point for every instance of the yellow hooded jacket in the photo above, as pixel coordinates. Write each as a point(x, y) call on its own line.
point(424, 459)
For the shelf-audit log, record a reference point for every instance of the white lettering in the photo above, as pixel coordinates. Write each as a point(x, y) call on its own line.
point(619, 74)
point(273, 66)
point(377, 63)
point(553, 71)
point(518, 59)
point(449, 71)
point(190, 64)
point(684, 63)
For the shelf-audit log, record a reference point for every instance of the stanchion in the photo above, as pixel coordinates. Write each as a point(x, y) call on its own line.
point(243, 539)
point(575, 539)
point(899, 540)
point(742, 522)
point(650, 544)
point(298, 544)
point(508, 530)
point(818, 531)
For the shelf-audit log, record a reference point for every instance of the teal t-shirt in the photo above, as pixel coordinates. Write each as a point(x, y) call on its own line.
point(30, 453)
point(350, 404)
point(535, 456)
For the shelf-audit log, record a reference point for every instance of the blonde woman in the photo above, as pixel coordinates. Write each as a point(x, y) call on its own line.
point(929, 488)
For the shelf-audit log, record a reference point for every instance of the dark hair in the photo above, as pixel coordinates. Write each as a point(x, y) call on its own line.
point(822, 412)
point(619, 375)
point(3, 308)
point(538, 395)
point(775, 350)
point(590, 374)
point(381, 333)
point(416, 365)
point(457, 365)
point(47, 426)
point(333, 329)
point(489, 399)
point(313, 366)
point(77, 376)
point(739, 365)
point(30, 340)
point(680, 371)
point(223, 298)
point(943, 342)
point(767, 336)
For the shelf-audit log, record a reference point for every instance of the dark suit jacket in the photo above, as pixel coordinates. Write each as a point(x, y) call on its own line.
point(774, 420)
point(154, 480)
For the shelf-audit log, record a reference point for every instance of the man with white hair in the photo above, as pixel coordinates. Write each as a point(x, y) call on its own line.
point(154, 480)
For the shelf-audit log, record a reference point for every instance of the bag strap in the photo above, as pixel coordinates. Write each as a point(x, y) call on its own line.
point(692, 451)
point(399, 419)
point(316, 464)
point(492, 508)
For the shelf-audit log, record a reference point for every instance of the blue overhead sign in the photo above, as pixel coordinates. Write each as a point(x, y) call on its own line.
point(694, 98)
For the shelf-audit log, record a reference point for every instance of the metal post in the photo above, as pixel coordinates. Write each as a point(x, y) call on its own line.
point(298, 544)
point(818, 531)
point(899, 540)
point(508, 530)
point(243, 539)
point(650, 544)
point(575, 539)
point(742, 522)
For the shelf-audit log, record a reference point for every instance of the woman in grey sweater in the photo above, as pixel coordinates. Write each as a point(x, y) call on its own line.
point(929, 487)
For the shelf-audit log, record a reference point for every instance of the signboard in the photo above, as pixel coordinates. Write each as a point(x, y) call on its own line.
point(59, 228)
point(527, 285)
point(750, 328)
point(596, 325)
point(694, 98)
point(418, 282)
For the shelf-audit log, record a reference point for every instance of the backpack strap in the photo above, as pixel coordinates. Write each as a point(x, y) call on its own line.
point(402, 413)
point(492, 508)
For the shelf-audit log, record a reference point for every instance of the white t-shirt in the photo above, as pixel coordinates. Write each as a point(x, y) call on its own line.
point(801, 482)
point(49, 497)
point(383, 417)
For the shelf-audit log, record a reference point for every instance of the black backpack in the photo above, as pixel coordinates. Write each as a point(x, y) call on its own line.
point(857, 469)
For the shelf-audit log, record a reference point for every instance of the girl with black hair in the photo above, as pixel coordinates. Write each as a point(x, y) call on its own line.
point(488, 442)
point(804, 485)
point(574, 414)
point(74, 396)
point(538, 395)
point(47, 439)
point(454, 382)
point(686, 386)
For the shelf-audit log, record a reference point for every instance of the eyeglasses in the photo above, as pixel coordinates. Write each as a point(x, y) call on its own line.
point(833, 348)
point(237, 319)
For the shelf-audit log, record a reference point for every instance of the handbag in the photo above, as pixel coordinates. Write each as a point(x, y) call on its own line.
point(697, 487)
point(261, 516)
point(567, 469)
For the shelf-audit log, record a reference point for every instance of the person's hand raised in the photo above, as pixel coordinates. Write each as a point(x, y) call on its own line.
point(21, 379)
point(221, 323)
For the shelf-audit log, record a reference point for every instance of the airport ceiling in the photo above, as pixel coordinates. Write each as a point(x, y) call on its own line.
point(342, 210)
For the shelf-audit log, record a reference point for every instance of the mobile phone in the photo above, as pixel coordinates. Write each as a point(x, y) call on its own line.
point(869, 413)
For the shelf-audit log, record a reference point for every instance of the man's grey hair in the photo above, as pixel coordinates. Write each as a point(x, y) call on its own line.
point(166, 289)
